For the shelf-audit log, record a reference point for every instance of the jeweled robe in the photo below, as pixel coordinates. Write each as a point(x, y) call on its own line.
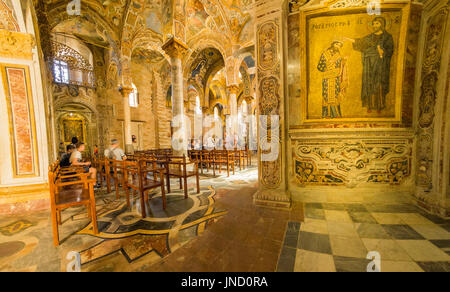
point(376, 69)
point(332, 67)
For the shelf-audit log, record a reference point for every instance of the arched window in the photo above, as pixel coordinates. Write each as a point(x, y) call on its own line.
point(244, 108)
point(61, 71)
point(70, 66)
point(134, 97)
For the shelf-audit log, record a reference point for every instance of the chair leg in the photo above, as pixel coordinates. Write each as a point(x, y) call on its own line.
point(168, 183)
point(181, 183)
point(116, 184)
point(228, 169)
point(185, 188)
point(55, 227)
point(58, 216)
point(108, 182)
point(94, 217)
point(163, 196)
point(144, 215)
point(127, 192)
point(198, 183)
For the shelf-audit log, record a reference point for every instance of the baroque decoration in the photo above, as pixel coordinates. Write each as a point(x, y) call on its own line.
point(16, 45)
point(7, 19)
point(269, 104)
point(430, 71)
point(351, 162)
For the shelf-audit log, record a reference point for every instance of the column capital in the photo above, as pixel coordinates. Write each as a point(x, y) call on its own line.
point(234, 89)
point(126, 91)
point(175, 48)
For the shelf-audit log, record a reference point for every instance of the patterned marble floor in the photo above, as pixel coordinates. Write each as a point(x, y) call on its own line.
point(126, 242)
point(220, 229)
point(338, 237)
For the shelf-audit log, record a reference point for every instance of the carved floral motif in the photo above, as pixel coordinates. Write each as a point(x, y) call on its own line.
point(430, 75)
point(350, 162)
point(16, 45)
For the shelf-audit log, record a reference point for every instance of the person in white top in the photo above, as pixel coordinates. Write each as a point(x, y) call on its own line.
point(76, 159)
point(114, 152)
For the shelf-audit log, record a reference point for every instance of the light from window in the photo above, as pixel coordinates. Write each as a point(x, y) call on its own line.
point(61, 72)
point(134, 97)
point(216, 114)
point(198, 108)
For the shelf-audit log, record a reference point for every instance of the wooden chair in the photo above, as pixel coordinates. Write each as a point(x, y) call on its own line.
point(118, 167)
point(207, 159)
point(70, 190)
point(239, 158)
point(176, 166)
point(99, 164)
point(224, 157)
point(248, 156)
point(136, 177)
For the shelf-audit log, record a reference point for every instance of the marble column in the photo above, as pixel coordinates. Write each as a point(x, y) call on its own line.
point(233, 92)
point(272, 163)
point(126, 91)
point(176, 50)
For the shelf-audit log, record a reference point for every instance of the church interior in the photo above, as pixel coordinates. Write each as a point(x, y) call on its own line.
point(225, 135)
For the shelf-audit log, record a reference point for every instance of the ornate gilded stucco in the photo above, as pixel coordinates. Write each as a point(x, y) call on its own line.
point(16, 45)
point(269, 92)
point(430, 164)
point(8, 19)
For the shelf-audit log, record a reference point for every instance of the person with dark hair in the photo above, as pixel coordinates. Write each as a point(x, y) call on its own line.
point(74, 141)
point(377, 50)
point(65, 159)
point(61, 149)
point(76, 159)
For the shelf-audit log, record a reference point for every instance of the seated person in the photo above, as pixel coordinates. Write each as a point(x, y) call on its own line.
point(76, 159)
point(65, 158)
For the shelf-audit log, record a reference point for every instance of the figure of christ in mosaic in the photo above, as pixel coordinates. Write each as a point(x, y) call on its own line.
point(334, 80)
point(377, 50)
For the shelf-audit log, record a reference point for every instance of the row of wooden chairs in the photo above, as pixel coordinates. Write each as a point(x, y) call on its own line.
point(155, 152)
point(70, 187)
point(217, 158)
point(143, 172)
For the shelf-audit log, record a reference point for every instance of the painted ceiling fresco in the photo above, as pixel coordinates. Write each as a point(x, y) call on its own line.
point(112, 11)
point(222, 16)
point(207, 62)
point(82, 29)
point(147, 56)
point(117, 20)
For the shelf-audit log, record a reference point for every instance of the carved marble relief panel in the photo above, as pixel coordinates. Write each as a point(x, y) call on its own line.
point(351, 162)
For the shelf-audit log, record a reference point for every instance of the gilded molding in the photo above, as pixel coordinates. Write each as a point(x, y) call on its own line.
point(16, 45)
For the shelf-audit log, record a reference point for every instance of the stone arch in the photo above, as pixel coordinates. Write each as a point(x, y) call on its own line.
point(90, 118)
point(201, 42)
